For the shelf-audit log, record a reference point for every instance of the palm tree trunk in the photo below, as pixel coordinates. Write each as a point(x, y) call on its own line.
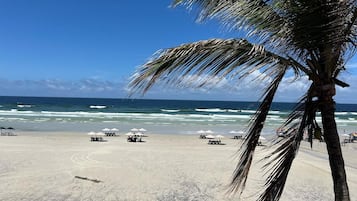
point(331, 137)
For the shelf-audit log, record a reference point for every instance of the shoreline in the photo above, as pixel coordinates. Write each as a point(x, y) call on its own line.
point(124, 127)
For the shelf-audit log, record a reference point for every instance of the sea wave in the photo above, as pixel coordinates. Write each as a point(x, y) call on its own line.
point(274, 112)
point(345, 121)
point(341, 113)
point(60, 116)
point(169, 110)
point(210, 110)
point(24, 105)
point(159, 118)
point(233, 110)
point(248, 111)
point(97, 106)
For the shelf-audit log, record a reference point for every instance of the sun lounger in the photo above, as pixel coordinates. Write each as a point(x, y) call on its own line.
point(214, 141)
point(202, 136)
point(134, 139)
point(96, 139)
point(109, 134)
point(8, 134)
point(131, 139)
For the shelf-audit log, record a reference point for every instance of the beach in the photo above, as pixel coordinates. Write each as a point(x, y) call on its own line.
point(68, 166)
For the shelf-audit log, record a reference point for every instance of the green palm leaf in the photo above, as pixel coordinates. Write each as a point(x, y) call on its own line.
point(256, 125)
point(299, 28)
point(220, 58)
point(282, 157)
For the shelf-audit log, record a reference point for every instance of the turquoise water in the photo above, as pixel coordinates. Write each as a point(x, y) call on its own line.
point(159, 116)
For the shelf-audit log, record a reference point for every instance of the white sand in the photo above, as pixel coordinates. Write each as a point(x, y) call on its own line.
point(43, 166)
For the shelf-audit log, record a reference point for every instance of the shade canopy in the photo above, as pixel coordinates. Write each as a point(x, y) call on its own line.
point(219, 136)
point(91, 133)
point(130, 134)
point(210, 136)
point(105, 129)
point(114, 129)
point(142, 129)
point(100, 134)
point(236, 132)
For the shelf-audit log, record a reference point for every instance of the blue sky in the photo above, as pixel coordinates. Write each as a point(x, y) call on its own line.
point(90, 48)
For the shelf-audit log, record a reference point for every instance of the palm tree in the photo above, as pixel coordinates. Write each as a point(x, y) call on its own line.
point(312, 38)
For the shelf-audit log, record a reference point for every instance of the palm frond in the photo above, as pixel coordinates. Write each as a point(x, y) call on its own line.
point(319, 27)
point(259, 18)
point(217, 57)
point(237, 13)
point(256, 125)
point(292, 27)
point(302, 118)
point(351, 30)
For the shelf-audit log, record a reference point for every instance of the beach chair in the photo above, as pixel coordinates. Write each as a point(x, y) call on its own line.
point(237, 137)
point(202, 136)
point(131, 139)
point(214, 142)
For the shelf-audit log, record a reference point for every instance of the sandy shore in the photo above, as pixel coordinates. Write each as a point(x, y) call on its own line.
point(67, 166)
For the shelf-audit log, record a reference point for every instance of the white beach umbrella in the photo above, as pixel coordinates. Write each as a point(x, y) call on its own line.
point(134, 129)
point(100, 134)
point(105, 129)
point(142, 130)
point(219, 136)
point(139, 134)
point(114, 129)
point(130, 134)
point(346, 136)
point(2, 128)
point(210, 137)
point(237, 132)
point(201, 132)
point(91, 133)
point(261, 138)
point(209, 131)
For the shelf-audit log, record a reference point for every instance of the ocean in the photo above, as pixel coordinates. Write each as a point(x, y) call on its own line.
point(156, 116)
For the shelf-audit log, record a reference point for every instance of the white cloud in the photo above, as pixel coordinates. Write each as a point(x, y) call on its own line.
point(55, 87)
point(248, 89)
point(351, 66)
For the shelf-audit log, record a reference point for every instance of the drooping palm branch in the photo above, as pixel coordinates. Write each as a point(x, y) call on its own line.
point(259, 17)
point(217, 57)
point(281, 159)
point(301, 28)
point(256, 125)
